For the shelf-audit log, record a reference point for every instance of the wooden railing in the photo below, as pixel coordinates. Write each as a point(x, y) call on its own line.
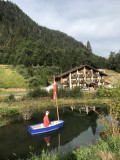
point(88, 75)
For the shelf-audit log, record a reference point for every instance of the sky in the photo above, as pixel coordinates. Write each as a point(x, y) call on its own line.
point(96, 21)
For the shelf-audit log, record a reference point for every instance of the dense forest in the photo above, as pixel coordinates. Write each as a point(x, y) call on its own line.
point(22, 41)
point(114, 61)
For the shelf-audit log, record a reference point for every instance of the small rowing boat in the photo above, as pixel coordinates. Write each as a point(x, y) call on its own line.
point(40, 129)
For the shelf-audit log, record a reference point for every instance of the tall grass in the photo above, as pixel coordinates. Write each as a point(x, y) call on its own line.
point(103, 150)
point(8, 111)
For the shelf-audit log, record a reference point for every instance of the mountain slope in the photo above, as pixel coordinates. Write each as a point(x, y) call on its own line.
point(22, 41)
point(14, 24)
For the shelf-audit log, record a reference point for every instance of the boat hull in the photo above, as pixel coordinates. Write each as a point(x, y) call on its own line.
point(46, 134)
point(37, 129)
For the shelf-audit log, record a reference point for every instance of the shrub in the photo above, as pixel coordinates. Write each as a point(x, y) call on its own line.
point(62, 93)
point(8, 111)
point(38, 92)
point(114, 144)
point(11, 97)
point(34, 82)
point(105, 92)
point(65, 93)
point(76, 93)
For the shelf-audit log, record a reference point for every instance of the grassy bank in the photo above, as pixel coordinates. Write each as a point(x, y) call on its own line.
point(17, 106)
point(9, 108)
point(103, 150)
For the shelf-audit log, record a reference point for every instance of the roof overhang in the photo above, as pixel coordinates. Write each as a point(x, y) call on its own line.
point(77, 68)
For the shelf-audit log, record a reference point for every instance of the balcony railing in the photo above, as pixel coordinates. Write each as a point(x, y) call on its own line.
point(81, 75)
point(81, 81)
point(96, 80)
point(102, 80)
point(66, 81)
point(74, 81)
point(88, 75)
point(95, 75)
point(73, 77)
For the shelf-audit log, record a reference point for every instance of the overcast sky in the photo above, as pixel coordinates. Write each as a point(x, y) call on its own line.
point(95, 20)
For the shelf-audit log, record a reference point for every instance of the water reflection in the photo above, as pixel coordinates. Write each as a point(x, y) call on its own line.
point(84, 108)
point(47, 136)
point(47, 140)
point(80, 128)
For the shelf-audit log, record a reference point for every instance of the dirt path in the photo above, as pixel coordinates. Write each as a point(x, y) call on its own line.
point(14, 89)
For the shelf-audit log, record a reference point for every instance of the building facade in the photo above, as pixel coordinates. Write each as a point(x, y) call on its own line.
point(84, 76)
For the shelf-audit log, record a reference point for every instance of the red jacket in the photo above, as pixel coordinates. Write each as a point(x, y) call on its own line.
point(46, 121)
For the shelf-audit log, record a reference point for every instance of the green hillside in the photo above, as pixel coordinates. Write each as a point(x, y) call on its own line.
point(113, 77)
point(22, 41)
point(11, 79)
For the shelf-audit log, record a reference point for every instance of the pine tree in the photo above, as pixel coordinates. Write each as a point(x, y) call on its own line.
point(89, 46)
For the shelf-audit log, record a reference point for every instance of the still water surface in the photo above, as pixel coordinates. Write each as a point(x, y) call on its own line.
point(80, 129)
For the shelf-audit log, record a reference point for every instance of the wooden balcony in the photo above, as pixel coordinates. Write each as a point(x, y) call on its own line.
point(81, 81)
point(102, 80)
point(73, 77)
point(81, 75)
point(88, 75)
point(65, 83)
point(96, 80)
point(74, 81)
point(95, 75)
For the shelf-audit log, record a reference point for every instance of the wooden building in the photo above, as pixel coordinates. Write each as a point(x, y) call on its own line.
point(84, 76)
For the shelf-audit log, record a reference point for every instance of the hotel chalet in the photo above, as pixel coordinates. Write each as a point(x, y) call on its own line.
point(84, 76)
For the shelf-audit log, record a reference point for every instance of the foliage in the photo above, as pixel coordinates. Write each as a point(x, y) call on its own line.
point(37, 75)
point(62, 93)
point(112, 127)
point(89, 46)
point(67, 93)
point(114, 61)
point(34, 82)
point(21, 76)
point(76, 92)
point(11, 97)
point(11, 79)
point(8, 111)
point(25, 42)
point(38, 92)
point(114, 95)
point(21, 69)
point(109, 149)
point(44, 78)
point(106, 93)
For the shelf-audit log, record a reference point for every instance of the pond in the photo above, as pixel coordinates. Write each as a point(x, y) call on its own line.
point(80, 129)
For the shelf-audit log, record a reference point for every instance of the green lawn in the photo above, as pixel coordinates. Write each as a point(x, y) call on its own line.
point(11, 79)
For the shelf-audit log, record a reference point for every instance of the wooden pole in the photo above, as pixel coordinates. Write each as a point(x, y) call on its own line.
point(57, 108)
point(57, 105)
